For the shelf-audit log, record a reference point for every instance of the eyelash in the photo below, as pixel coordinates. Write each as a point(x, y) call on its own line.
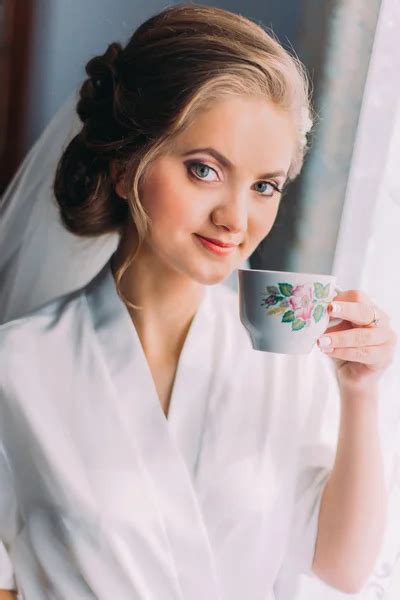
point(193, 163)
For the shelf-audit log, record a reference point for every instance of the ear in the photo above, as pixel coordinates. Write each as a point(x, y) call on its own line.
point(117, 179)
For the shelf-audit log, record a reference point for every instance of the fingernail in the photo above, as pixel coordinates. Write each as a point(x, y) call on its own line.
point(325, 341)
point(336, 308)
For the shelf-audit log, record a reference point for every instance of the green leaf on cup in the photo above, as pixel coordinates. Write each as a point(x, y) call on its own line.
point(321, 291)
point(288, 317)
point(286, 289)
point(298, 324)
point(272, 300)
point(277, 310)
point(318, 312)
point(273, 289)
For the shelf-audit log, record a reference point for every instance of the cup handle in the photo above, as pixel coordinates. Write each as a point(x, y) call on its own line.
point(335, 321)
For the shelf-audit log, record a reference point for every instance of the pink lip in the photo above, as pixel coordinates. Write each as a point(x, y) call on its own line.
point(215, 248)
point(217, 242)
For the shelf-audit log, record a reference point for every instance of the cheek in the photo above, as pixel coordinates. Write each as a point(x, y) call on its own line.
point(168, 200)
point(262, 221)
point(158, 193)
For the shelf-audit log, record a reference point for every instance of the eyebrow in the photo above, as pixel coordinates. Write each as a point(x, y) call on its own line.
point(227, 163)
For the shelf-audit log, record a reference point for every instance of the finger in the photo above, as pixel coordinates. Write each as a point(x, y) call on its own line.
point(355, 312)
point(368, 355)
point(356, 337)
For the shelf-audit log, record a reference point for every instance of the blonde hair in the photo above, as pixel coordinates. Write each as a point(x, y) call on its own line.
point(138, 98)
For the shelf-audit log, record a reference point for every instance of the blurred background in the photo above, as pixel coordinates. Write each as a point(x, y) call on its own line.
point(340, 216)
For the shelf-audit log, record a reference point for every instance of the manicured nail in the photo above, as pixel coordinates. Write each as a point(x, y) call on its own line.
point(336, 308)
point(325, 342)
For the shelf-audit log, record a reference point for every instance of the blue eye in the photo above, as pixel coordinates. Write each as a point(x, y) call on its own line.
point(196, 164)
point(192, 166)
point(274, 189)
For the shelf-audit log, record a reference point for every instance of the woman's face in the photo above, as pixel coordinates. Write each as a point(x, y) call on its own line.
point(190, 193)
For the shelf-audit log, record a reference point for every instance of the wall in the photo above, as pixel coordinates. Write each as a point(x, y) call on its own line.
point(66, 34)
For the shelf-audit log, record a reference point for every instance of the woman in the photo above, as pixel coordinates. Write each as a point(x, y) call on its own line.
point(147, 450)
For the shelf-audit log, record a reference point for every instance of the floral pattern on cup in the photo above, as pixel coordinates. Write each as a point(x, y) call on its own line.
point(299, 305)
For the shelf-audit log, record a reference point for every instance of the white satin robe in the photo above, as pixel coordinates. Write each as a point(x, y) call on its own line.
point(103, 497)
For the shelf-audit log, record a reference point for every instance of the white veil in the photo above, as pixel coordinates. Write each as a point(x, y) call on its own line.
point(39, 258)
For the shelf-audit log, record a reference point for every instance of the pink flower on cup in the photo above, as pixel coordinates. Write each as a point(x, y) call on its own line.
point(299, 304)
point(301, 301)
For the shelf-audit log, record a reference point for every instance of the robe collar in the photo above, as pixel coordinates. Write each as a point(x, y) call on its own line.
point(169, 448)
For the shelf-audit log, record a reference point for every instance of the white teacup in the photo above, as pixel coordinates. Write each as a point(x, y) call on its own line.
point(283, 311)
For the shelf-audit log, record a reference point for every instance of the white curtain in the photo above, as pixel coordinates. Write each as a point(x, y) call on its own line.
point(367, 257)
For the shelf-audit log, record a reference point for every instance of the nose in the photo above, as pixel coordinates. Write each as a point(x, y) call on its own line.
point(232, 211)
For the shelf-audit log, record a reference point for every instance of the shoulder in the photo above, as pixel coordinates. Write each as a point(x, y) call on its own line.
point(27, 335)
point(39, 353)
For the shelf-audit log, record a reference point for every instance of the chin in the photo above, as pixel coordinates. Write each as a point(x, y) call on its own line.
point(213, 276)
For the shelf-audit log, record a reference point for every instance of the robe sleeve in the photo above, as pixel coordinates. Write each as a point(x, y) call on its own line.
point(8, 520)
point(316, 456)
